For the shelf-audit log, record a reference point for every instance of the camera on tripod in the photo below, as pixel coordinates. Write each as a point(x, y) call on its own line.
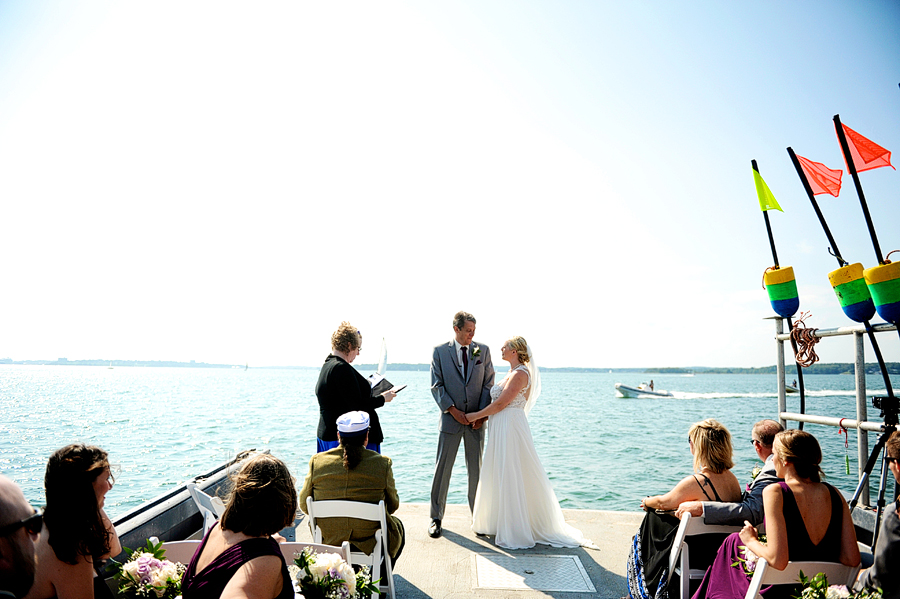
point(889, 406)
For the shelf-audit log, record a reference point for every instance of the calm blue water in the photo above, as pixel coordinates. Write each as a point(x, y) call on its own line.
point(163, 426)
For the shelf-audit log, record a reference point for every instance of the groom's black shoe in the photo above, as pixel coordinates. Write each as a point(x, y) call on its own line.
point(434, 531)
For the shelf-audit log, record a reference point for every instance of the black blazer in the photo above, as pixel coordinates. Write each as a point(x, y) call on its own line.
point(341, 389)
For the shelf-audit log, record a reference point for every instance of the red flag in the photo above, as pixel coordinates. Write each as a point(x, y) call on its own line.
point(866, 153)
point(821, 178)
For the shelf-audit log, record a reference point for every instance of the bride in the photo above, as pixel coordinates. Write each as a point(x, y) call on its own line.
point(514, 500)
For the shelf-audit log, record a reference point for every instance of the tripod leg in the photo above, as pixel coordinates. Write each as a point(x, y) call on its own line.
point(879, 505)
point(870, 464)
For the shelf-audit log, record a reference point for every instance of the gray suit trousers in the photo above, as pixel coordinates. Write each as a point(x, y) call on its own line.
point(448, 445)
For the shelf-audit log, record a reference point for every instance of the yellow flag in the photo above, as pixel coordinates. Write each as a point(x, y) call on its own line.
point(766, 200)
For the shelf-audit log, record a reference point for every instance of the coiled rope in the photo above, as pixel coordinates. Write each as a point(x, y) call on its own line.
point(805, 340)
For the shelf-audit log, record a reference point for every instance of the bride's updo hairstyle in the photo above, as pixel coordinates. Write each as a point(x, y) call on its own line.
point(712, 446)
point(520, 346)
point(802, 450)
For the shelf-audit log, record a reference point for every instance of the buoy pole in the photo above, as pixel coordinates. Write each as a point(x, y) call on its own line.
point(812, 199)
point(790, 323)
point(839, 129)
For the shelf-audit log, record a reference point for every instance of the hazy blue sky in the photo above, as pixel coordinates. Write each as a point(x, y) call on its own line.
point(226, 181)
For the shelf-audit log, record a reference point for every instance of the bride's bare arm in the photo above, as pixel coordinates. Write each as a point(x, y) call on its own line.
point(515, 384)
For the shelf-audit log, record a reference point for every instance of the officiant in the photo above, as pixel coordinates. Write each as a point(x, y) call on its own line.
point(341, 389)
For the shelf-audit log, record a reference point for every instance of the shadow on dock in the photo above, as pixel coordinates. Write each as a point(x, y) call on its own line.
point(461, 564)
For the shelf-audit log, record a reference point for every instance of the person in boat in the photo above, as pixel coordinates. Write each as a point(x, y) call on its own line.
point(884, 573)
point(77, 534)
point(354, 473)
point(647, 568)
point(651, 384)
point(341, 389)
point(20, 527)
point(240, 557)
point(750, 507)
point(806, 520)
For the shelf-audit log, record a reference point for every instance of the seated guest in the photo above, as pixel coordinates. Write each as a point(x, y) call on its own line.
point(76, 533)
point(710, 444)
point(750, 507)
point(239, 558)
point(341, 389)
point(354, 473)
point(20, 527)
point(884, 573)
point(806, 520)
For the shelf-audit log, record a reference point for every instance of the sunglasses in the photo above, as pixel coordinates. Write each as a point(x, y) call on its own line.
point(889, 459)
point(32, 524)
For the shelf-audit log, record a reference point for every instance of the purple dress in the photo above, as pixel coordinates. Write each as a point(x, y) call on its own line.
point(211, 581)
point(724, 581)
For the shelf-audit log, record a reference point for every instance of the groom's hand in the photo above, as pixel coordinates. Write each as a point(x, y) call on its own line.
point(458, 415)
point(478, 423)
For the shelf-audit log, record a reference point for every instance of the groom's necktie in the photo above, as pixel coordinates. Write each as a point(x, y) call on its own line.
point(465, 354)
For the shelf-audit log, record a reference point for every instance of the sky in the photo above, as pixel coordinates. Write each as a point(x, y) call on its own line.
point(226, 183)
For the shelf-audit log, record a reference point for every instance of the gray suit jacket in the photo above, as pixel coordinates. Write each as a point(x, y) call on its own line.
point(751, 506)
point(450, 389)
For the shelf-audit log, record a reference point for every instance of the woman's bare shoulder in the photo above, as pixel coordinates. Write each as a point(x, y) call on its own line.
point(56, 578)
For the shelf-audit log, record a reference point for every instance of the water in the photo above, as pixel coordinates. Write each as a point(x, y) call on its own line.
point(163, 426)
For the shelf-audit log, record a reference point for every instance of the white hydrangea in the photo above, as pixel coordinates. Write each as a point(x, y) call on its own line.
point(837, 591)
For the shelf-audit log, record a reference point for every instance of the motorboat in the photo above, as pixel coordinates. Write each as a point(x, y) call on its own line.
point(791, 389)
point(642, 390)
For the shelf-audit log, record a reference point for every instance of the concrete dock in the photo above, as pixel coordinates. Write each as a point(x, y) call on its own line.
point(461, 564)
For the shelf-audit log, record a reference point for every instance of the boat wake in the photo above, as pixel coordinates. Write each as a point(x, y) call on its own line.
point(816, 393)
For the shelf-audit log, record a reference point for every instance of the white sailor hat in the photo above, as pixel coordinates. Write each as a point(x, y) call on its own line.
point(353, 424)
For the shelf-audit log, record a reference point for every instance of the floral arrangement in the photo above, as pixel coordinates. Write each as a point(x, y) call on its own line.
point(148, 574)
point(328, 576)
point(749, 559)
point(817, 588)
point(476, 352)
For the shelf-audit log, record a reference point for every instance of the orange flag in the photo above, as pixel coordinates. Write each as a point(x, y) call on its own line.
point(821, 178)
point(866, 153)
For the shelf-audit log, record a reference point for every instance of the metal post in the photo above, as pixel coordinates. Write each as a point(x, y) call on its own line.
point(862, 437)
point(782, 396)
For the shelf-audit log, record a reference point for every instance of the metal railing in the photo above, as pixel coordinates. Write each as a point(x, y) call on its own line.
point(860, 422)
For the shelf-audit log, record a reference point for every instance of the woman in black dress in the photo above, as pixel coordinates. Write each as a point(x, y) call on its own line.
point(341, 389)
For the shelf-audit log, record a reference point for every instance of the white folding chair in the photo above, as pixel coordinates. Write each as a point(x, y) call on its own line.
point(364, 511)
point(766, 574)
point(680, 555)
point(181, 551)
point(290, 549)
point(211, 508)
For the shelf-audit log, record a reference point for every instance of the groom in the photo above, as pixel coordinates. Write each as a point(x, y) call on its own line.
point(461, 379)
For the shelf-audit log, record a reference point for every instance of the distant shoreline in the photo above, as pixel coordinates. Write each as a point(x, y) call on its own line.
point(790, 369)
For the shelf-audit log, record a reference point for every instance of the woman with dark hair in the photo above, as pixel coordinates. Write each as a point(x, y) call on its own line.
point(806, 520)
point(354, 473)
point(238, 557)
point(341, 389)
point(77, 532)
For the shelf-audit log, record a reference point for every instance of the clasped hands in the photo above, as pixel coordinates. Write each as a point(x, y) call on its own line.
point(463, 418)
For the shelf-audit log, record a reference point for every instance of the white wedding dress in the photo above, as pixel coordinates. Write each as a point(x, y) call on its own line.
point(515, 501)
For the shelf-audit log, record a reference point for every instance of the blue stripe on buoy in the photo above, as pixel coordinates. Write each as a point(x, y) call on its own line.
point(786, 307)
point(860, 311)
